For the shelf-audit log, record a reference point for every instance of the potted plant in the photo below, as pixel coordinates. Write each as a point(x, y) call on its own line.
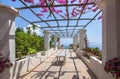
point(4, 63)
point(113, 66)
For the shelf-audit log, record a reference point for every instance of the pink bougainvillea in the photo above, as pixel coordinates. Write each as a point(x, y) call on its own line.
point(113, 66)
point(75, 10)
point(30, 1)
point(4, 63)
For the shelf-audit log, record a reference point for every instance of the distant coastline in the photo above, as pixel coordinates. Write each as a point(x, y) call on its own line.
point(66, 47)
point(95, 45)
point(90, 45)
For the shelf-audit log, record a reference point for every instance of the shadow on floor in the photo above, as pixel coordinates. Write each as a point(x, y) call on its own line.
point(91, 74)
point(47, 74)
point(85, 77)
point(75, 77)
point(60, 63)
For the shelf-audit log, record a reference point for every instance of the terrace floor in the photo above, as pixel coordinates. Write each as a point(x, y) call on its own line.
point(74, 68)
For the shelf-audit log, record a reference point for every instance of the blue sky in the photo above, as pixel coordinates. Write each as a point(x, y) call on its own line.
point(94, 29)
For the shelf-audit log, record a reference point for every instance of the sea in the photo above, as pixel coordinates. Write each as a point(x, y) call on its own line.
point(90, 45)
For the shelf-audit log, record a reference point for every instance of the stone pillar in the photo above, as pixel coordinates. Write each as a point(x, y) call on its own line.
point(75, 41)
point(7, 36)
point(82, 34)
point(46, 40)
point(55, 41)
point(110, 29)
point(59, 43)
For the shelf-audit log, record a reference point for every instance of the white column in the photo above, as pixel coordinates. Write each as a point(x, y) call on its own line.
point(46, 40)
point(110, 29)
point(7, 36)
point(59, 43)
point(75, 41)
point(82, 34)
point(55, 41)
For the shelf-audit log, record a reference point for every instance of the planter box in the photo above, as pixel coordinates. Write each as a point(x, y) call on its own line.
point(90, 54)
point(84, 53)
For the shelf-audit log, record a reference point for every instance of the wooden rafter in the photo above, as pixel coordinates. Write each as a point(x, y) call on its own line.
point(62, 20)
point(64, 26)
point(35, 13)
point(80, 16)
point(67, 17)
point(30, 22)
point(91, 20)
point(53, 14)
point(65, 32)
point(63, 5)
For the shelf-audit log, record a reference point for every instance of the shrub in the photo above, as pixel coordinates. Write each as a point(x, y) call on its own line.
point(95, 51)
point(27, 43)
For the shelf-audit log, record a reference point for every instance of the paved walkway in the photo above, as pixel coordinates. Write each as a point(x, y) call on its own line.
point(74, 68)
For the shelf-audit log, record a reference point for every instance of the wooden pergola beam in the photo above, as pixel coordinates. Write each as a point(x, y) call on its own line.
point(63, 30)
point(30, 22)
point(35, 13)
point(51, 12)
point(64, 26)
point(80, 16)
point(62, 20)
point(63, 5)
point(67, 17)
point(91, 20)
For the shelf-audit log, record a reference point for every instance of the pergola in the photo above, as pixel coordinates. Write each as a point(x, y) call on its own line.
point(60, 24)
point(110, 30)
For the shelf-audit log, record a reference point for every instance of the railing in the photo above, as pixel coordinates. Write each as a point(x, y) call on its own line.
point(95, 65)
point(28, 63)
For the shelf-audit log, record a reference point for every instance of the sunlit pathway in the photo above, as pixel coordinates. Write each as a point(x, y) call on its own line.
point(74, 68)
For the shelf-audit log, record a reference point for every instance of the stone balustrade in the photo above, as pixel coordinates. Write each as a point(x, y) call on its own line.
point(25, 65)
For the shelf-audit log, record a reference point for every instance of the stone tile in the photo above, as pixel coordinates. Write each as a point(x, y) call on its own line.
point(74, 68)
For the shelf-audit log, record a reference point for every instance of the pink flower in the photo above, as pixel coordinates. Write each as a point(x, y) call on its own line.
point(72, 1)
point(95, 9)
point(100, 17)
point(61, 1)
point(45, 10)
point(39, 14)
point(56, 11)
point(4, 63)
point(41, 3)
point(63, 16)
point(30, 1)
point(14, 0)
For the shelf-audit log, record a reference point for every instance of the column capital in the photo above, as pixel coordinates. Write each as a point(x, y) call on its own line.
point(101, 4)
point(75, 36)
point(46, 32)
point(81, 30)
point(56, 36)
point(8, 9)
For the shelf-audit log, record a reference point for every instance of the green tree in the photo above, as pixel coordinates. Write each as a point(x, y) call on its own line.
point(27, 44)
